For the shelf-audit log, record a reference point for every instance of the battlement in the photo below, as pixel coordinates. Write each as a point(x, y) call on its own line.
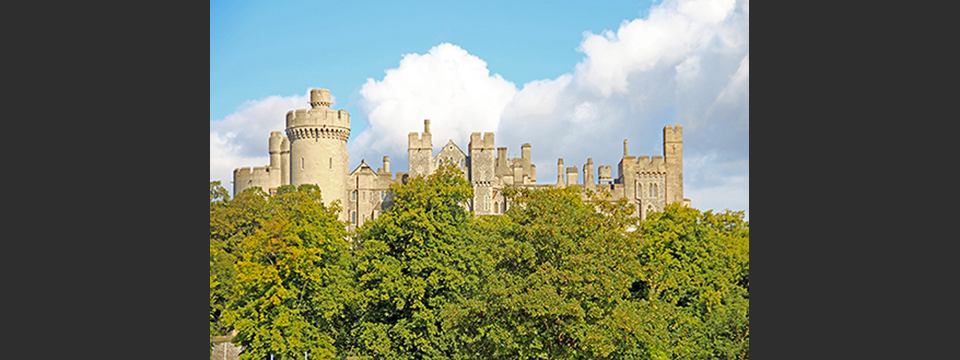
point(319, 114)
point(482, 143)
point(417, 142)
point(248, 177)
point(324, 163)
point(673, 133)
point(421, 141)
point(647, 160)
point(319, 98)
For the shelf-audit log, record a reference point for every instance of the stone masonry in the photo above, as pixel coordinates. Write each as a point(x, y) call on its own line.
point(315, 152)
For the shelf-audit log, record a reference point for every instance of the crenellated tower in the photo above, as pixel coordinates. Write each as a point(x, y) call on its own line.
point(318, 146)
point(314, 151)
point(420, 151)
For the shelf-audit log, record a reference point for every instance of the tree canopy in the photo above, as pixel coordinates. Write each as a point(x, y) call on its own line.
point(561, 275)
point(411, 261)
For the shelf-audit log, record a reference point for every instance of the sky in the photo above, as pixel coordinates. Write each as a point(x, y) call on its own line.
point(572, 78)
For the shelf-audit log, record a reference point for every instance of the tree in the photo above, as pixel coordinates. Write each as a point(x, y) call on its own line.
point(412, 260)
point(291, 279)
point(696, 266)
point(231, 220)
point(557, 285)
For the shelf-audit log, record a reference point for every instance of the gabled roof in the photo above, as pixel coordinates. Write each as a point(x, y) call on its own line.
point(451, 146)
point(363, 169)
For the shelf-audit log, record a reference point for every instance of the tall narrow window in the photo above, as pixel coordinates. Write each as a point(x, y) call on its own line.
point(301, 163)
point(654, 190)
point(353, 195)
point(353, 215)
point(640, 189)
point(364, 194)
point(331, 163)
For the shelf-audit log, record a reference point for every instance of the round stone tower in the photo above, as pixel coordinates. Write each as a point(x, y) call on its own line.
point(318, 146)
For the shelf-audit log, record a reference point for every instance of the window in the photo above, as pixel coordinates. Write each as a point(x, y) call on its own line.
point(496, 207)
point(353, 195)
point(331, 163)
point(639, 190)
point(364, 194)
point(653, 190)
point(353, 216)
point(301, 163)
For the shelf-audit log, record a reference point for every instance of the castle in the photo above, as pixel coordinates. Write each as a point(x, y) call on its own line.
point(315, 152)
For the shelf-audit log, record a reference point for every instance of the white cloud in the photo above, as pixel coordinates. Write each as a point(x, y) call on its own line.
point(241, 138)
point(687, 63)
point(447, 85)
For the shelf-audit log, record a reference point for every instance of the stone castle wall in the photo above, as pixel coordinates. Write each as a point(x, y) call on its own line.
point(315, 152)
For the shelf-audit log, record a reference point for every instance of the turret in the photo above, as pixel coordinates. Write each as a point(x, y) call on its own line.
point(275, 139)
point(319, 98)
point(420, 151)
point(588, 172)
point(285, 161)
point(560, 181)
point(673, 159)
point(572, 176)
point(386, 164)
point(318, 146)
point(604, 174)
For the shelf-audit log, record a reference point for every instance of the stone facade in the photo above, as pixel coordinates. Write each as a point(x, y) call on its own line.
point(316, 153)
point(224, 349)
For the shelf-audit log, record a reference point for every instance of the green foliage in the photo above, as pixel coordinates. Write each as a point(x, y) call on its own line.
point(696, 264)
point(231, 220)
point(557, 284)
point(556, 277)
point(412, 260)
point(290, 276)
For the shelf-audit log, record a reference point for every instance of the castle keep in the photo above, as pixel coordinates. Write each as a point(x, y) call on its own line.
point(315, 152)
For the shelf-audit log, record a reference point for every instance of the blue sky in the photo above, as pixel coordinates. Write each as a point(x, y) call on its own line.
point(573, 78)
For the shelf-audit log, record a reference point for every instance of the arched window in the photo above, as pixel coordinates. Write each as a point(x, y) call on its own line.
point(496, 207)
point(655, 190)
point(353, 216)
point(353, 195)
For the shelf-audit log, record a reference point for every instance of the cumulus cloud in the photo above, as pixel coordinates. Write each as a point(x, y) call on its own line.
point(687, 63)
point(447, 85)
point(241, 138)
